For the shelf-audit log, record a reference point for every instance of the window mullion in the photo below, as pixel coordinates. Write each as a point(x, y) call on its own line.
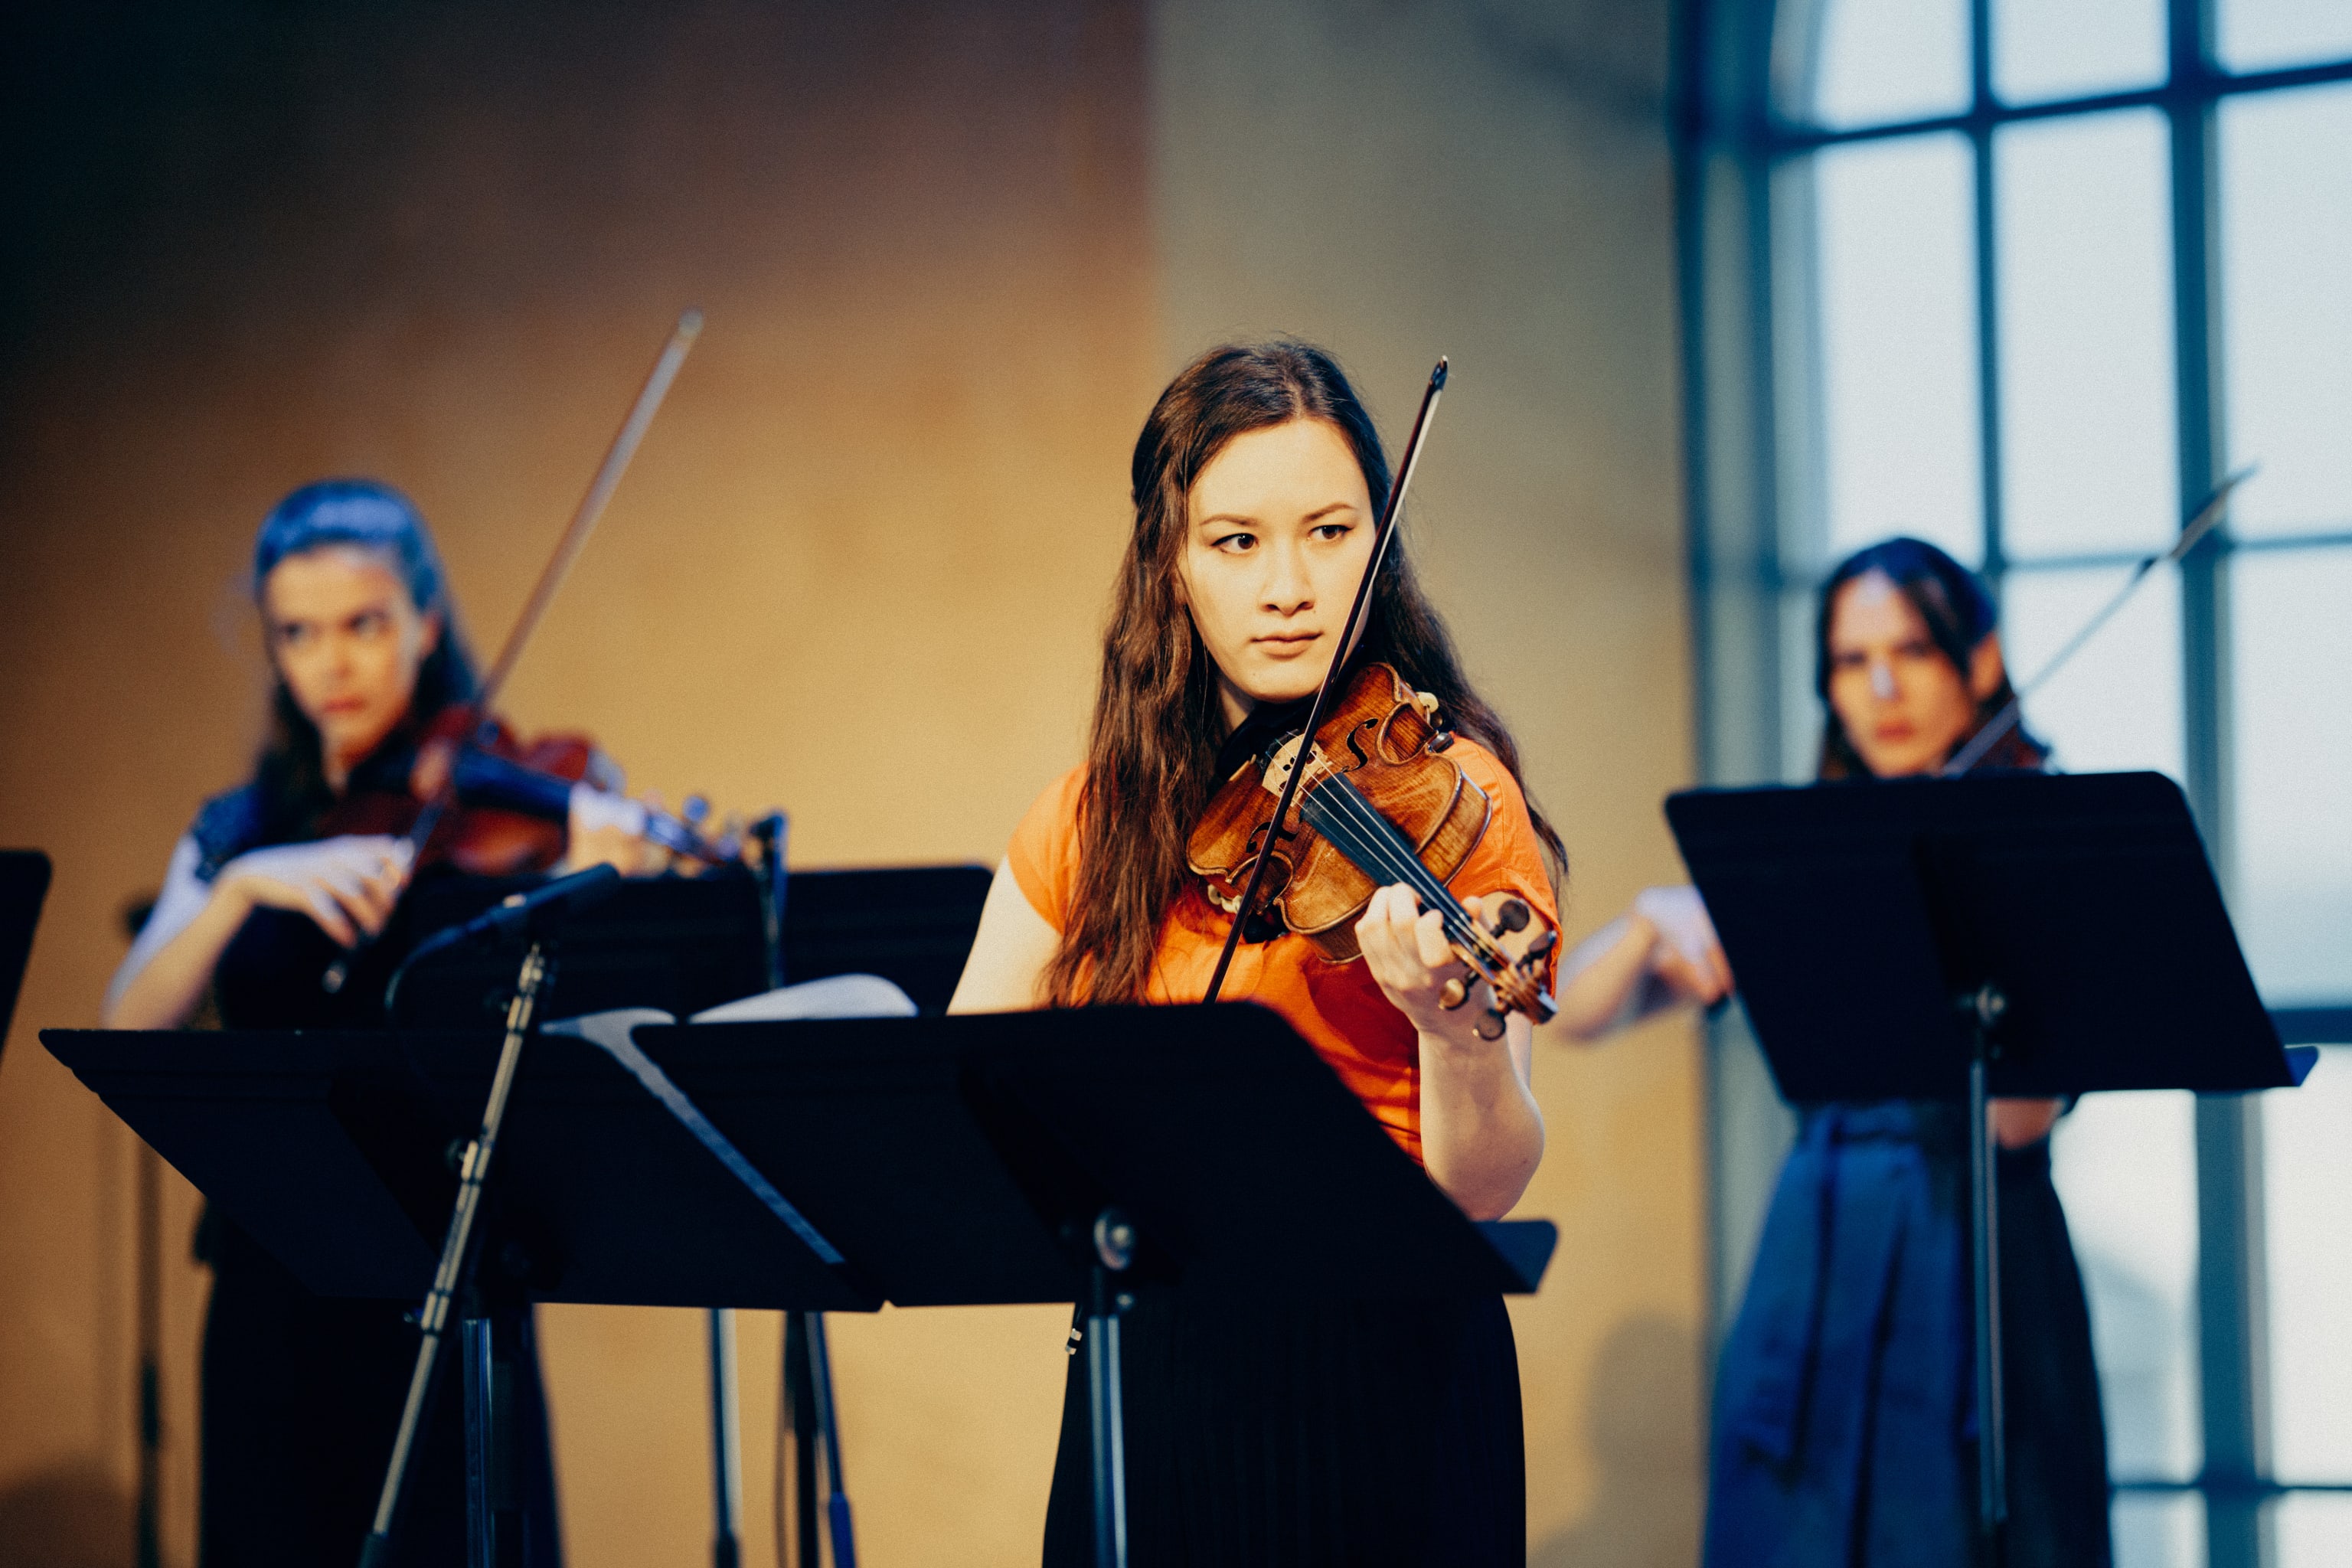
point(1989, 444)
point(2231, 1317)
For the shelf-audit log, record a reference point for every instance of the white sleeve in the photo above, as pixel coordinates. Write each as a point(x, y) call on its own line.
point(183, 898)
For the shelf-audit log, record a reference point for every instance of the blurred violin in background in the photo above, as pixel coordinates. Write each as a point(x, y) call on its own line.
point(503, 807)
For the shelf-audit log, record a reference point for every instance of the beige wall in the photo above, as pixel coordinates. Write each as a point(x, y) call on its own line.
point(947, 253)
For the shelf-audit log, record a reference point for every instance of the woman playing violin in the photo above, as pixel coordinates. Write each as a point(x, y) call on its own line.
point(366, 653)
point(301, 1394)
point(1356, 1433)
point(1845, 1428)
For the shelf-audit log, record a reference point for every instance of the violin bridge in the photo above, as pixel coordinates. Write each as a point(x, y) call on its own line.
point(1278, 764)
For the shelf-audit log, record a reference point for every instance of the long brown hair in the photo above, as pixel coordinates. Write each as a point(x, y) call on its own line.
point(1958, 614)
point(1151, 756)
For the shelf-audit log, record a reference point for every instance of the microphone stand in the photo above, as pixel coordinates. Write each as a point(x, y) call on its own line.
point(456, 1273)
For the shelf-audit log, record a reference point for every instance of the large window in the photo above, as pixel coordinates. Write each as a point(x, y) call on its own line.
point(2026, 278)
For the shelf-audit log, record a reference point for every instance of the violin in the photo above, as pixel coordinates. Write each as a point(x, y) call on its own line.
point(1376, 802)
point(1380, 802)
point(514, 821)
point(511, 800)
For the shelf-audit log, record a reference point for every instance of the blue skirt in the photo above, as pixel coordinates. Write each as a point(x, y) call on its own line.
point(1845, 1406)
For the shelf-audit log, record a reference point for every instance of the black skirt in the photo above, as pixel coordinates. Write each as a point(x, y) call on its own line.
point(1363, 1433)
point(302, 1396)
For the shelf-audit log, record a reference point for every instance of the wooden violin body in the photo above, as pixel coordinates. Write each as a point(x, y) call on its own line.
point(1382, 736)
point(1379, 804)
point(512, 797)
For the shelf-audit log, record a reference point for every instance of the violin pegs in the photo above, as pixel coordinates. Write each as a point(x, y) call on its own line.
point(1510, 915)
point(1452, 994)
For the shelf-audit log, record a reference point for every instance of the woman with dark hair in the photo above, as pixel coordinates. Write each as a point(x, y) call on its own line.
point(1356, 1432)
point(301, 1394)
point(1896, 623)
point(1844, 1411)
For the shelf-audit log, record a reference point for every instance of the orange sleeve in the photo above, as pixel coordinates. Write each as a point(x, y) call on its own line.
point(1509, 859)
point(1043, 853)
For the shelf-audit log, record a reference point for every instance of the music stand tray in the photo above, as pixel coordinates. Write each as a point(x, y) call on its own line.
point(954, 1160)
point(331, 1150)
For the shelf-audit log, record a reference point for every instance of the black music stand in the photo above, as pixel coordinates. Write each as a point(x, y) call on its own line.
point(1054, 1156)
point(2014, 934)
point(685, 944)
point(1004, 1158)
point(331, 1149)
point(24, 883)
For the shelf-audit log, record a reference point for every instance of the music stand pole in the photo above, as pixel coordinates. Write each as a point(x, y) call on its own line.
point(1983, 1008)
point(456, 1253)
point(726, 1411)
point(808, 1363)
point(1114, 1246)
point(726, 1440)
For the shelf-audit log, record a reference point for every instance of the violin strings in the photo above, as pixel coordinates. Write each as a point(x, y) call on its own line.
point(1459, 929)
point(1338, 810)
point(1342, 820)
point(1359, 823)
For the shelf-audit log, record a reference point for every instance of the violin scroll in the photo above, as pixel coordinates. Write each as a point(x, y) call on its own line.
point(1522, 944)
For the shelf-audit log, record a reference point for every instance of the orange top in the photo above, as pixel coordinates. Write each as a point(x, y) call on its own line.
point(1337, 1007)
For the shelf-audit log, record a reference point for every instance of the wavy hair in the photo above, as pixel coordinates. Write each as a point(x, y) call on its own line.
point(1152, 751)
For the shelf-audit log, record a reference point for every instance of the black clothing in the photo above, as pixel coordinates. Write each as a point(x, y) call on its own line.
point(1355, 1433)
point(302, 1394)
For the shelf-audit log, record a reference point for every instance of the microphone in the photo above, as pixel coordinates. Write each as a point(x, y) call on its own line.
point(531, 912)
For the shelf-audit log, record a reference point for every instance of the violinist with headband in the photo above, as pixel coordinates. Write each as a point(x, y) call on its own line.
point(1355, 1432)
point(301, 1394)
